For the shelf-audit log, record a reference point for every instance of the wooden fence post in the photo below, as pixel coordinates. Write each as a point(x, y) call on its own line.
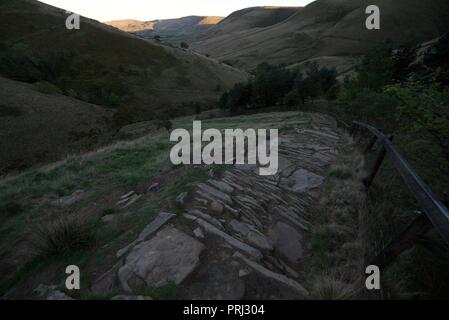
point(380, 158)
point(370, 145)
point(446, 199)
point(404, 241)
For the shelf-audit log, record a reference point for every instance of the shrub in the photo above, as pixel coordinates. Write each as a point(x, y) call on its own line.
point(62, 237)
point(237, 98)
point(270, 84)
point(20, 62)
point(184, 45)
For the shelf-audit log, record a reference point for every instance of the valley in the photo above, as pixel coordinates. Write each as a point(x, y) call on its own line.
point(100, 130)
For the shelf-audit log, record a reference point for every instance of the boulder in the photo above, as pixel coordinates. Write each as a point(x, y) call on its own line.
point(169, 257)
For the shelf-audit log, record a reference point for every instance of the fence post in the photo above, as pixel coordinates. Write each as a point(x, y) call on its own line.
point(352, 129)
point(404, 241)
point(380, 158)
point(370, 145)
point(446, 199)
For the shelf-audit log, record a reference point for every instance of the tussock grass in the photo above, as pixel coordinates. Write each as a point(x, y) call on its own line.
point(62, 237)
point(337, 264)
point(329, 287)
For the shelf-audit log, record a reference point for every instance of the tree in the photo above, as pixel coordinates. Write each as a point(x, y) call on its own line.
point(271, 84)
point(424, 108)
point(237, 98)
point(184, 45)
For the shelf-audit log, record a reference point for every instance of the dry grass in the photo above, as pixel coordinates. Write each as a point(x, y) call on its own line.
point(62, 237)
point(329, 287)
point(337, 265)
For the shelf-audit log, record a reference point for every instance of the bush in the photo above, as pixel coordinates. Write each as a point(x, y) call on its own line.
point(274, 85)
point(62, 237)
point(237, 98)
point(20, 62)
point(45, 87)
point(270, 84)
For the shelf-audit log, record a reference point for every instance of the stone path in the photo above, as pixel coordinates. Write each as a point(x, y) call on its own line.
point(242, 236)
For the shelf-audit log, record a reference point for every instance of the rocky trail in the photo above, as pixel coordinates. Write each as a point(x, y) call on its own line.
point(238, 235)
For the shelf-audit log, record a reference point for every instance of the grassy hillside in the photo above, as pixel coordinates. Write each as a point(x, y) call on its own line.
point(140, 74)
point(136, 79)
point(328, 28)
point(171, 30)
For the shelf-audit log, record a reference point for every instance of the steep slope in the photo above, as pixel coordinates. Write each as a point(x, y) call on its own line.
point(101, 58)
point(37, 127)
point(99, 65)
point(328, 28)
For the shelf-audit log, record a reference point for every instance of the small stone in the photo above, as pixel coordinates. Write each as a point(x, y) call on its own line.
point(50, 293)
point(243, 273)
point(108, 218)
point(154, 187)
point(198, 233)
point(126, 196)
point(216, 207)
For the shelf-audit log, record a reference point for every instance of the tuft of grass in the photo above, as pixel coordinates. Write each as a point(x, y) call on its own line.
point(330, 288)
point(63, 237)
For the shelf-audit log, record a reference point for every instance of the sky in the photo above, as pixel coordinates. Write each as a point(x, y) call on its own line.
point(105, 10)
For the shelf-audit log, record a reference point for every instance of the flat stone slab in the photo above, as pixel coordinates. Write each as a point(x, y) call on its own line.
point(251, 235)
point(161, 219)
point(169, 257)
point(303, 181)
point(209, 228)
point(288, 242)
point(279, 278)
